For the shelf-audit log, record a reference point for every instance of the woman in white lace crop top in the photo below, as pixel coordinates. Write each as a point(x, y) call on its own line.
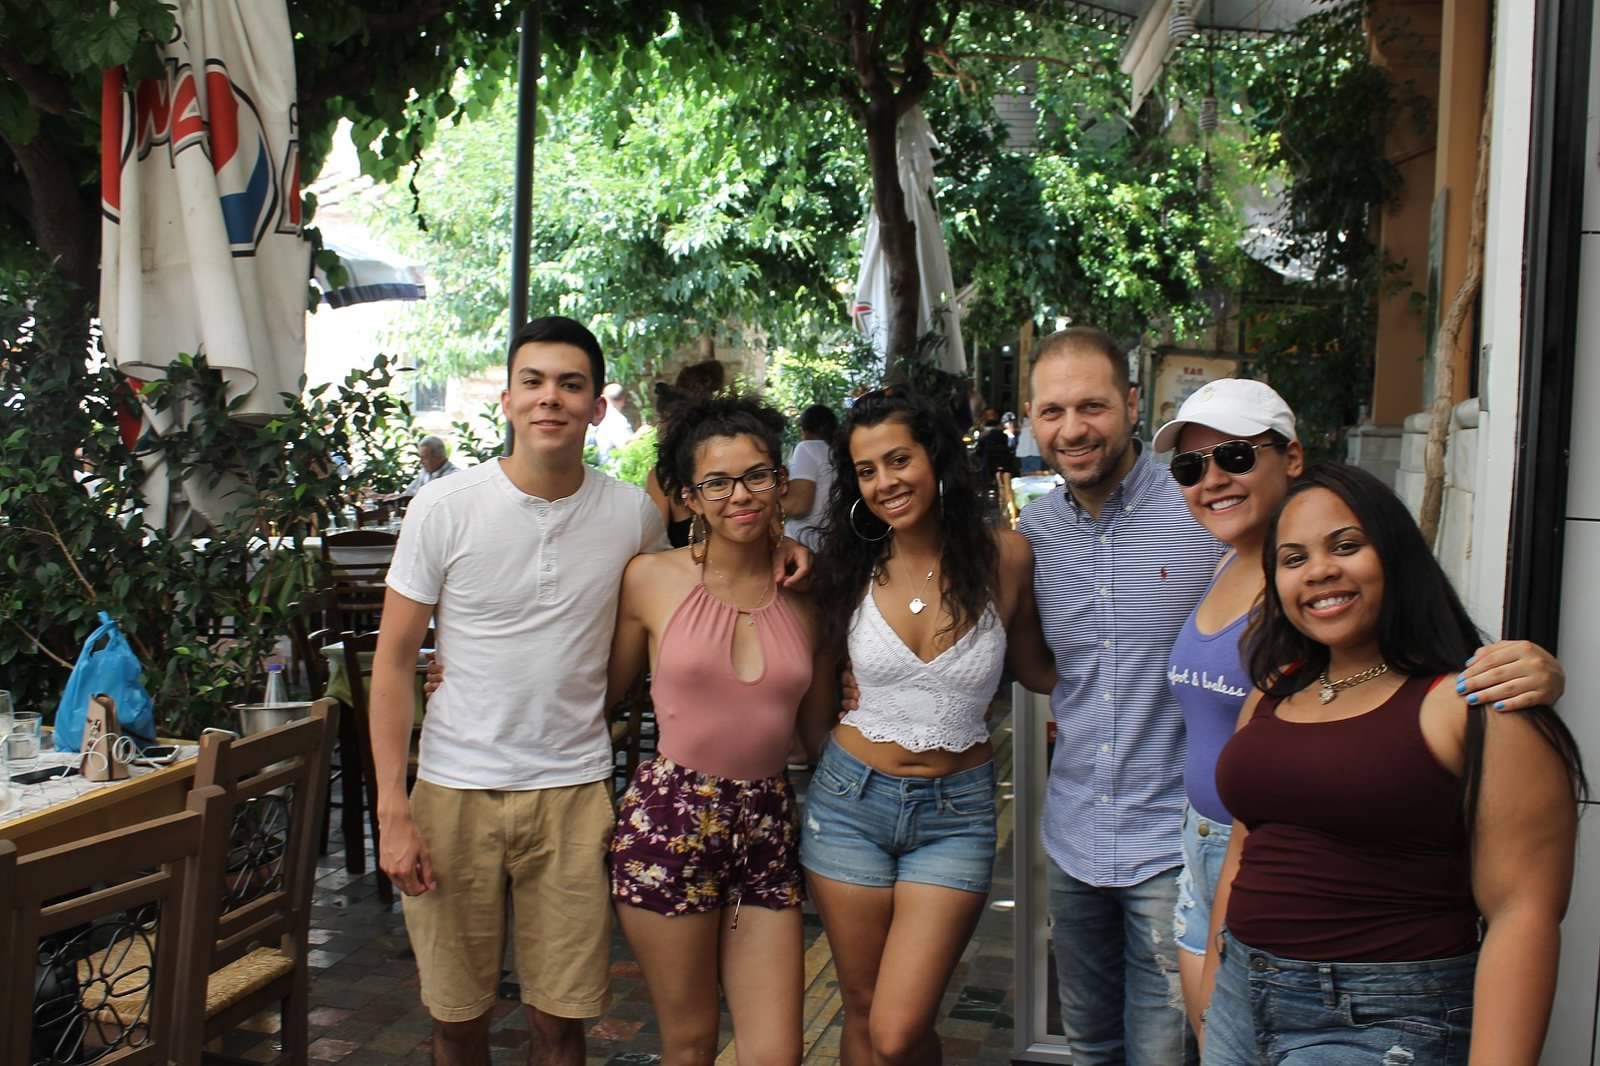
point(930, 605)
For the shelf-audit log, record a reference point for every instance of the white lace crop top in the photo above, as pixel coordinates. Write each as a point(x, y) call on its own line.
point(920, 705)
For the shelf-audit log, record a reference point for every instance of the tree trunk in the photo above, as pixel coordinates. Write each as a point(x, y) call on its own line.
point(65, 224)
point(898, 234)
point(1444, 345)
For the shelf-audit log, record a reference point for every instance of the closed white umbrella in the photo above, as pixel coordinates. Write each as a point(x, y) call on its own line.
point(200, 187)
point(915, 145)
point(372, 273)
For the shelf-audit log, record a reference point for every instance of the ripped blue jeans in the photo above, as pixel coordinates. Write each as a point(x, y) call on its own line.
point(1117, 969)
point(1271, 1010)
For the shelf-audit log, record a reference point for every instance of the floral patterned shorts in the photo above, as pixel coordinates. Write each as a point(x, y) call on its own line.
point(688, 842)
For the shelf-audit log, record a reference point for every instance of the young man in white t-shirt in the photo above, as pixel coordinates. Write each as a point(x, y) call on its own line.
point(517, 563)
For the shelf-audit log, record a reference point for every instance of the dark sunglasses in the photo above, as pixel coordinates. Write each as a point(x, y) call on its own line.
point(1231, 456)
point(887, 392)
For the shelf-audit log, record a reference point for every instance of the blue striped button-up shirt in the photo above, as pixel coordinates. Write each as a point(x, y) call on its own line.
point(1113, 593)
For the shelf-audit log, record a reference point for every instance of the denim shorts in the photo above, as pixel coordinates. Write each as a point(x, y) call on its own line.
point(1205, 845)
point(864, 827)
point(1271, 1009)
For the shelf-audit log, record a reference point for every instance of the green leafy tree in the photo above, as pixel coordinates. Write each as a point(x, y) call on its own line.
point(665, 209)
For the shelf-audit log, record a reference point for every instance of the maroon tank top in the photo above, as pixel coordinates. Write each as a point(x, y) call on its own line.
point(1357, 849)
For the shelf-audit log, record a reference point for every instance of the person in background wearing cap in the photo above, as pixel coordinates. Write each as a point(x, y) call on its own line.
point(1237, 454)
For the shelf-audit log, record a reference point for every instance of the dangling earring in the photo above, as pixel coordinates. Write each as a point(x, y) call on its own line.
point(777, 528)
point(941, 495)
point(856, 529)
point(697, 538)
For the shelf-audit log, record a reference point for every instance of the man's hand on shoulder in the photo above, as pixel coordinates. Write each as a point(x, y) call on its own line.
point(791, 565)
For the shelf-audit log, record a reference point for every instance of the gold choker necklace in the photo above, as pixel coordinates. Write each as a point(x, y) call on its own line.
point(1330, 689)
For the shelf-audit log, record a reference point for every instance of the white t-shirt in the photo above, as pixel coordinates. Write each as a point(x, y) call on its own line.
point(525, 601)
point(1027, 446)
point(812, 461)
point(612, 433)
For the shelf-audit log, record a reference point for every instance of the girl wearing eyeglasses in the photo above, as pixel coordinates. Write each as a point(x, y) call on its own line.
point(1400, 859)
point(1237, 456)
point(930, 605)
point(704, 862)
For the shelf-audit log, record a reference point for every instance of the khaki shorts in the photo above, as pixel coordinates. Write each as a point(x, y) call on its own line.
point(548, 846)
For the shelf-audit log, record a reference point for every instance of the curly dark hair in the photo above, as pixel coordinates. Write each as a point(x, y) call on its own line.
point(717, 416)
point(846, 563)
point(1423, 629)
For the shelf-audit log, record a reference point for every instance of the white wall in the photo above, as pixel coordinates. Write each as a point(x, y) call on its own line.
point(1502, 302)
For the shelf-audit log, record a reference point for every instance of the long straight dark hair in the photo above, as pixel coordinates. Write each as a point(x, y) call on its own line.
point(1423, 630)
point(968, 559)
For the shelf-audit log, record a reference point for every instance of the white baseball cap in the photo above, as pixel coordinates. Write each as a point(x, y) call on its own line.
point(1238, 406)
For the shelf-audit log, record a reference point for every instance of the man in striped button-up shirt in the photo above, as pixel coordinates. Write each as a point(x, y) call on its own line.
point(1118, 565)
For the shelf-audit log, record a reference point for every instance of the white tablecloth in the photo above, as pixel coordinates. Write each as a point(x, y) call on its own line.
point(18, 801)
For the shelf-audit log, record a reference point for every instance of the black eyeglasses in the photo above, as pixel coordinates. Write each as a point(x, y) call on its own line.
point(761, 479)
point(1231, 456)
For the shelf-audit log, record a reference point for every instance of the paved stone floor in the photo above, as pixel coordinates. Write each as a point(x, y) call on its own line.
point(365, 1010)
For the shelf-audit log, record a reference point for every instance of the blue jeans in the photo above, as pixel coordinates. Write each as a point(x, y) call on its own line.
point(1117, 969)
point(865, 827)
point(1205, 846)
point(1268, 1009)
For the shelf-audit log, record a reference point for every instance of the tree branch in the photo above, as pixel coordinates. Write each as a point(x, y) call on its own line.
point(415, 17)
point(45, 91)
point(949, 26)
point(58, 660)
point(881, 24)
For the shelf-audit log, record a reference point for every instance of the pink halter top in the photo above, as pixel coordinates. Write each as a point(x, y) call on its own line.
point(708, 719)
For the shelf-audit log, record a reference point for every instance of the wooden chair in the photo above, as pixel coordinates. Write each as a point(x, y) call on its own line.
point(97, 936)
point(357, 646)
point(357, 564)
point(253, 947)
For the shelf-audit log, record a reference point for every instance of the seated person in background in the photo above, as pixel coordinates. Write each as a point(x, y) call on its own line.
point(1026, 448)
point(996, 464)
point(434, 459)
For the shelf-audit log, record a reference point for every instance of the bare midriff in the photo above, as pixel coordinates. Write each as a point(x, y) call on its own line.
point(890, 758)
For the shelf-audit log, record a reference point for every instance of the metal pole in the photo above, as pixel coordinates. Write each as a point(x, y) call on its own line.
point(522, 205)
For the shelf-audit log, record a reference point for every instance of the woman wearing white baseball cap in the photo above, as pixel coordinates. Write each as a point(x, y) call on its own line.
point(1237, 454)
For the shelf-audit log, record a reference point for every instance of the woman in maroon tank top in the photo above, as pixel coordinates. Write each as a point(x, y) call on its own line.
point(1381, 823)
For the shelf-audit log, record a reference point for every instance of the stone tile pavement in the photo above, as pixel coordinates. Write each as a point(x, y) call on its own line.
point(365, 1009)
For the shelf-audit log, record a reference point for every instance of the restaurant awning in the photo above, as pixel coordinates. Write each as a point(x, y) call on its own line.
point(1151, 42)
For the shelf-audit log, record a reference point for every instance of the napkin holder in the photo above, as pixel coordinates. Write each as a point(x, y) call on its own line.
point(100, 733)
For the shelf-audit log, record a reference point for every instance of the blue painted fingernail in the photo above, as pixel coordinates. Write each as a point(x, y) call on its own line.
point(1461, 683)
point(1472, 698)
point(1471, 659)
point(1500, 706)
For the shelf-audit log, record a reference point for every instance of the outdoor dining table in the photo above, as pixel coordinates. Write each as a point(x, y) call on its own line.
point(64, 809)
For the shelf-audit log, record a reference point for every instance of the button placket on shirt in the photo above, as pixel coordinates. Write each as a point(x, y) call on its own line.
point(546, 559)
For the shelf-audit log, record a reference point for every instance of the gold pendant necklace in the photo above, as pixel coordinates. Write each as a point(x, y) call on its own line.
point(1330, 689)
point(917, 604)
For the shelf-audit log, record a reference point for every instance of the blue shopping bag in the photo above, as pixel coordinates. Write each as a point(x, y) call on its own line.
point(107, 665)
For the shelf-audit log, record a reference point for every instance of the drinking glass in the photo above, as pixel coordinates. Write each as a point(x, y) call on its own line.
point(6, 707)
point(27, 729)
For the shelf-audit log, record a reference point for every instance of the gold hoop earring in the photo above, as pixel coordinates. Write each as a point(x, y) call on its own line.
point(697, 538)
point(777, 528)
